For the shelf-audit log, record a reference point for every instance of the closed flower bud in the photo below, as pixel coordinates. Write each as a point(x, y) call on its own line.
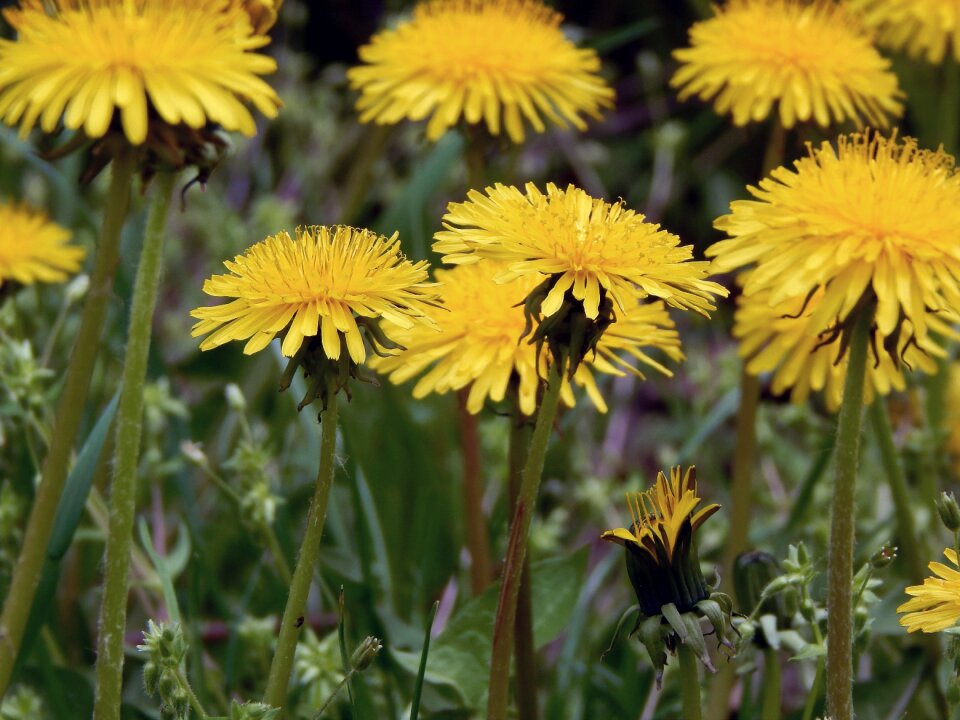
point(949, 511)
point(365, 653)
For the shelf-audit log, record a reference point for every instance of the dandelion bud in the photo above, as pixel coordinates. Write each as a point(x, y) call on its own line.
point(365, 653)
point(949, 511)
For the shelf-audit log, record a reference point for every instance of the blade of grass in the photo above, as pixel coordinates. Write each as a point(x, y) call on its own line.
point(344, 657)
point(418, 687)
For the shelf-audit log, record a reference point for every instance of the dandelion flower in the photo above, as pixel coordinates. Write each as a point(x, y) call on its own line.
point(589, 247)
point(812, 59)
point(319, 282)
point(496, 61)
point(935, 605)
point(775, 339)
point(921, 28)
point(92, 64)
point(875, 220)
point(34, 249)
point(477, 343)
point(664, 568)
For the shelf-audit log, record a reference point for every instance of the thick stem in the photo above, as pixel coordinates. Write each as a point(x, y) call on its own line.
point(16, 608)
point(524, 649)
point(279, 677)
point(517, 549)
point(476, 523)
point(126, 458)
point(689, 683)
point(741, 496)
point(843, 512)
point(770, 705)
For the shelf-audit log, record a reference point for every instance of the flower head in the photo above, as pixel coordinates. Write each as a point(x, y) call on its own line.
point(921, 28)
point(813, 59)
point(34, 249)
point(263, 13)
point(477, 343)
point(664, 568)
point(935, 605)
point(326, 281)
point(873, 221)
point(129, 64)
point(588, 247)
point(496, 61)
point(777, 339)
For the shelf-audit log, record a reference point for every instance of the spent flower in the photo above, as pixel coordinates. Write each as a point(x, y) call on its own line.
point(500, 62)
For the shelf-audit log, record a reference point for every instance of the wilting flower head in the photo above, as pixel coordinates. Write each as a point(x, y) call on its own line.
point(263, 13)
point(874, 221)
point(921, 28)
point(777, 339)
point(326, 282)
point(34, 249)
point(664, 568)
point(935, 605)
point(812, 59)
point(477, 343)
point(102, 64)
point(501, 62)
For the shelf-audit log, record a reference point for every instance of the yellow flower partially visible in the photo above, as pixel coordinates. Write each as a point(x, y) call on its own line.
point(476, 343)
point(813, 60)
point(91, 64)
point(318, 282)
point(263, 14)
point(921, 28)
point(33, 248)
point(501, 62)
point(952, 407)
point(776, 339)
point(935, 605)
point(875, 219)
point(592, 247)
point(660, 515)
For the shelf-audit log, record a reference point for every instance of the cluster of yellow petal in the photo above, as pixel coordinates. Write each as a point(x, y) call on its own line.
point(185, 62)
point(483, 60)
point(921, 28)
point(476, 343)
point(660, 513)
point(34, 249)
point(591, 245)
point(775, 338)
point(935, 605)
point(315, 283)
point(873, 217)
point(813, 59)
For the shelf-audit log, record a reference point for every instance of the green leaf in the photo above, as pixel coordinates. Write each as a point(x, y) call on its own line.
point(460, 655)
point(69, 510)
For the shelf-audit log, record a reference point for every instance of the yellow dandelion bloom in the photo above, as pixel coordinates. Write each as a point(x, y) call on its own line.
point(813, 60)
point(921, 28)
point(477, 343)
point(661, 560)
point(935, 605)
point(775, 339)
point(496, 61)
point(318, 282)
point(92, 64)
point(34, 249)
point(874, 220)
point(592, 247)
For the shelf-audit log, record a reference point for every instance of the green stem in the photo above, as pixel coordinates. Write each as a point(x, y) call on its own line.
point(70, 409)
point(741, 490)
point(279, 677)
point(524, 648)
point(126, 458)
point(689, 683)
point(770, 704)
point(517, 549)
point(843, 512)
point(909, 541)
point(191, 696)
point(814, 693)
